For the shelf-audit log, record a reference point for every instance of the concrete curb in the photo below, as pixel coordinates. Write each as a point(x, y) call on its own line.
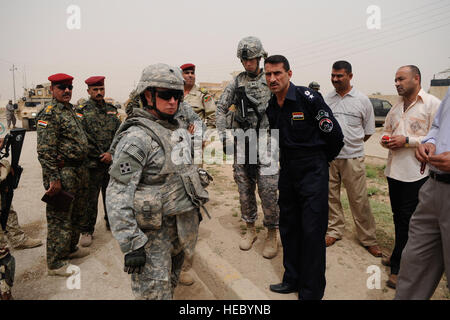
point(222, 279)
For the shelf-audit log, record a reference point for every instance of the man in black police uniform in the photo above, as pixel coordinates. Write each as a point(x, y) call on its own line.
point(310, 137)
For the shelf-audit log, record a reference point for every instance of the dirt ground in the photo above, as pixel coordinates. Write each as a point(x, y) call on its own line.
point(102, 276)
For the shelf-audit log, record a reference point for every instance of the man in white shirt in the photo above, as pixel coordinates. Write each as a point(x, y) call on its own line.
point(406, 125)
point(355, 115)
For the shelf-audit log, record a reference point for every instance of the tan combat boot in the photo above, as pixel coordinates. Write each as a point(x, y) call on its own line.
point(79, 253)
point(29, 243)
point(64, 271)
point(185, 278)
point(271, 244)
point(86, 239)
point(248, 238)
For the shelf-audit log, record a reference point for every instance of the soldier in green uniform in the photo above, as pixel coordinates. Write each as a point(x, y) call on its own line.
point(100, 121)
point(198, 98)
point(62, 147)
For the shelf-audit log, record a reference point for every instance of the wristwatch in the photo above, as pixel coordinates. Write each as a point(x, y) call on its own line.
point(407, 142)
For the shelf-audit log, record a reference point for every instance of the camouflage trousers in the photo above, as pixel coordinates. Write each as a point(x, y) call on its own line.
point(10, 118)
point(267, 190)
point(165, 252)
point(63, 227)
point(98, 181)
point(15, 234)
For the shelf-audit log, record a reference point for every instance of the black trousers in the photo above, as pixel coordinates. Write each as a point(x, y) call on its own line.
point(404, 198)
point(303, 202)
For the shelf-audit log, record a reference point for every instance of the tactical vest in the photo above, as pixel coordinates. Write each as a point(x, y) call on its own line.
point(176, 189)
point(257, 89)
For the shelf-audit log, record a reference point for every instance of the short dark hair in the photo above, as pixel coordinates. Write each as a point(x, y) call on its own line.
point(414, 70)
point(275, 59)
point(338, 65)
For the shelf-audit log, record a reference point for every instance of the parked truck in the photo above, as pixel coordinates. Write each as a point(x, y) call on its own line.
point(31, 103)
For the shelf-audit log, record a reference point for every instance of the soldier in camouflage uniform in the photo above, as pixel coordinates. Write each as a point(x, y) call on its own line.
point(7, 261)
point(151, 214)
point(198, 98)
point(251, 85)
point(100, 121)
point(62, 147)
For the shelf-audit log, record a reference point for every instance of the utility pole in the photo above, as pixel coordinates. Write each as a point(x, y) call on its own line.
point(14, 81)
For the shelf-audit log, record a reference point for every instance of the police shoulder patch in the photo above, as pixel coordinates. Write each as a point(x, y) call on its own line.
point(326, 125)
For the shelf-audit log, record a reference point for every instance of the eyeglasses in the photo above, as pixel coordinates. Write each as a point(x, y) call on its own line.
point(168, 94)
point(64, 86)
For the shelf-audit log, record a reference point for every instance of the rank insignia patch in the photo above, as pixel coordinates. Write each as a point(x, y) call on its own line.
point(298, 116)
point(42, 124)
point(125, 168)
point(48, 109)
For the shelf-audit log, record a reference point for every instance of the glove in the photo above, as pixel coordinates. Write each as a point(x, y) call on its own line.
point(134, 261)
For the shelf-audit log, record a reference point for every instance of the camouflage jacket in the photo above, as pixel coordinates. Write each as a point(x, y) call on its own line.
point(141, 189)
point(60, 136)
point(203, 104)
point(256, 89)
point(100, 121)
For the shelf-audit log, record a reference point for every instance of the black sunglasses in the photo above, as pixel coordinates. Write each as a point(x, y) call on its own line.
point(168, 94)
point(64, 86)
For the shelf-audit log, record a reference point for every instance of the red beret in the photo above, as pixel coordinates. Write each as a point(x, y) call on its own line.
point(95, 81)
point(187, 66)
point(60, 78)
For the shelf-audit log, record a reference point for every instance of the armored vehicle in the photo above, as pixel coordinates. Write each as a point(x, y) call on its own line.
point(31, 103)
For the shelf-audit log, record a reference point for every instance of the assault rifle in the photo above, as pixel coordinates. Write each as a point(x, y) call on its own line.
point(13, 141)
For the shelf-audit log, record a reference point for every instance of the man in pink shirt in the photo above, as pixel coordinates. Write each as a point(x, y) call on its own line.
point(406, 125)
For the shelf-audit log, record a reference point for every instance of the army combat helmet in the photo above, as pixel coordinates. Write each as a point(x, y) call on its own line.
point(160, 75)
point(314, 85)
point(250, 48)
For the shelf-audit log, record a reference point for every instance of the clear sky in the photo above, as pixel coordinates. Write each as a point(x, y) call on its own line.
point(119, 38)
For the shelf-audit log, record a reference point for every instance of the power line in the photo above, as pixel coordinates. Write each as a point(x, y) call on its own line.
point(346, 33)
point(369, 41)
point(383, 44)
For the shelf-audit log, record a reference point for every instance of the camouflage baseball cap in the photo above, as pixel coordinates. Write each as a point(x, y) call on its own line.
point(160, 75)
point(250, 48)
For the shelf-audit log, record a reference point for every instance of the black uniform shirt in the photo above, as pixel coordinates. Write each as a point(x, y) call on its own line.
point(305, 121)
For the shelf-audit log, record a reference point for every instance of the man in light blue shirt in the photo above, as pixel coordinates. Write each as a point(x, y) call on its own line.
point(427, 253)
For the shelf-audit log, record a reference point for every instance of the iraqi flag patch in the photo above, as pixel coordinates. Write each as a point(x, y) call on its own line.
point(298, 116)
point(79, 115)
point(42, 124)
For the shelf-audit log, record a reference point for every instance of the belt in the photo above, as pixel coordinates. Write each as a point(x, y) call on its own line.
point(445, 178)
point(70, 163)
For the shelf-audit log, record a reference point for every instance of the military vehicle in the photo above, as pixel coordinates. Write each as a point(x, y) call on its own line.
point(31, 103)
